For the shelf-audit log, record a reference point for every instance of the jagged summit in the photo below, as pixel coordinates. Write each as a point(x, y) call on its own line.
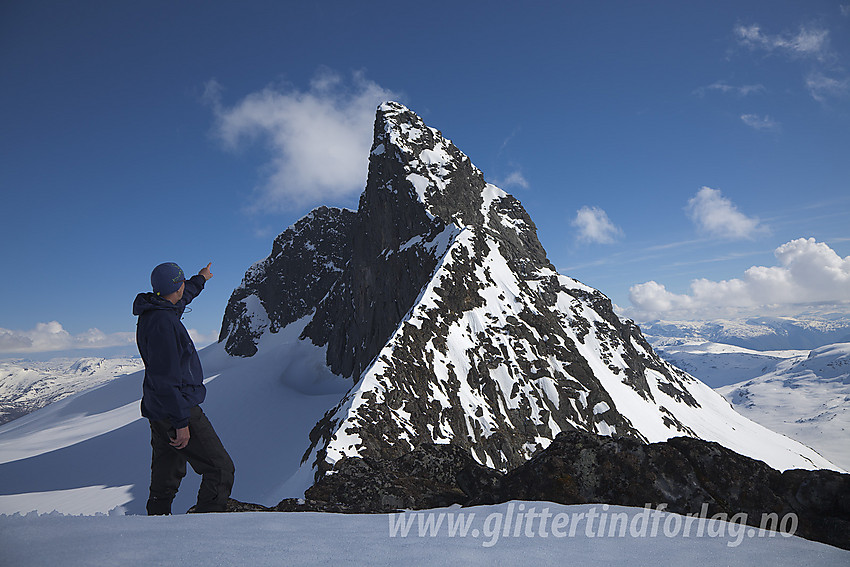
point(437, 300)
point(435, 172)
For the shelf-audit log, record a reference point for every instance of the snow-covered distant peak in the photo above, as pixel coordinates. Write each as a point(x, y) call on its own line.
point(829, 362)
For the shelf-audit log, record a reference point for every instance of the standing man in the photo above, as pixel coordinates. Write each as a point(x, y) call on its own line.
point(172, 393)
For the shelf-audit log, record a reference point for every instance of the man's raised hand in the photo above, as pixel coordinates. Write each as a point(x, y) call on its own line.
point(206, 272)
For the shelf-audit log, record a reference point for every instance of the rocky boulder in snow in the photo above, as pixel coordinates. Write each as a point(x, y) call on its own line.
point(683, 473)
point(430, 476)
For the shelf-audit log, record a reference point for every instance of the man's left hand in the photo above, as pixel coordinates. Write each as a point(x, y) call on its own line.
point(182, 438)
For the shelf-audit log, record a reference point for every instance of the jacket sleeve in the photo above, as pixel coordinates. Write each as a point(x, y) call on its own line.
point(194, 286)
point(163, 369)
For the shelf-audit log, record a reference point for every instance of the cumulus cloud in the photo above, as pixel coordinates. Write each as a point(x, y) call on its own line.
point(760, 122)
point(202, 339)
point(51, 336)
point(594, 225)
point(808, 273)
point(717, 216)
point(318, 139)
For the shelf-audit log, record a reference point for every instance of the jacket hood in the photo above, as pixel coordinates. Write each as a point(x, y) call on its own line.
point(150, 301)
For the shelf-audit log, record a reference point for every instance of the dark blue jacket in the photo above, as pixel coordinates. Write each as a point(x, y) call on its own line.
point(174, 379)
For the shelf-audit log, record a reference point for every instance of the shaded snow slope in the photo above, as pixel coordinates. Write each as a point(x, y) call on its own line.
point(262, 408)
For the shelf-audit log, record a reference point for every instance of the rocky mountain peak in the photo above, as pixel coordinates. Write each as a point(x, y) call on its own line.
point(415, 160)
point(436, 299)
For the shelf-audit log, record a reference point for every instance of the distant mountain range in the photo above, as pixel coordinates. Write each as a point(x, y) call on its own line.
point(757, 333)
point(27, 385)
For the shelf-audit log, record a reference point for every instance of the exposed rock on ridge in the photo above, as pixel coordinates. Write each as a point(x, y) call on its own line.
point(305, 262)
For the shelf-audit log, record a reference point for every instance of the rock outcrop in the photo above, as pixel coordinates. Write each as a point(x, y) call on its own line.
point(687, 475)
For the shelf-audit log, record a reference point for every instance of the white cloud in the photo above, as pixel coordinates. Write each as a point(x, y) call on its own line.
point(724, 88)
point(46, 337)
point(318, 139)
point(809, 273)
point(760, 123)
point(808, 42)
point(515, 179)
point(594, 225)
point(202, 339)
point(717, 216)
point(822, 87)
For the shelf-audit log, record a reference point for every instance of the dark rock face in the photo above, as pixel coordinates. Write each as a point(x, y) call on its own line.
point(305, 262)
point(384, 277)
point(581, 468)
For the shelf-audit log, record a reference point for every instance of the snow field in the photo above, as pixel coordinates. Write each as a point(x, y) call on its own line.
point(515, 533)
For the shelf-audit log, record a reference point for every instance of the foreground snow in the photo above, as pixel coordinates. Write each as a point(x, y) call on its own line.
point(473, 536)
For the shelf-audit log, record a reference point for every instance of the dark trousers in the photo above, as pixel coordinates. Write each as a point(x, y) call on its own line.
point(204, 452)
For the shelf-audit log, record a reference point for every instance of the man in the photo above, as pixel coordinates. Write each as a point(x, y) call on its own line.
point(173, 390)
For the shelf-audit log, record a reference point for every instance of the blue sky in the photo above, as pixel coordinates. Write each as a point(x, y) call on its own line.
point(689, 159)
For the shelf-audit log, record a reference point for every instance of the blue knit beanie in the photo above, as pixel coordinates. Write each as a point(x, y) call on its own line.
point(167, 278)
